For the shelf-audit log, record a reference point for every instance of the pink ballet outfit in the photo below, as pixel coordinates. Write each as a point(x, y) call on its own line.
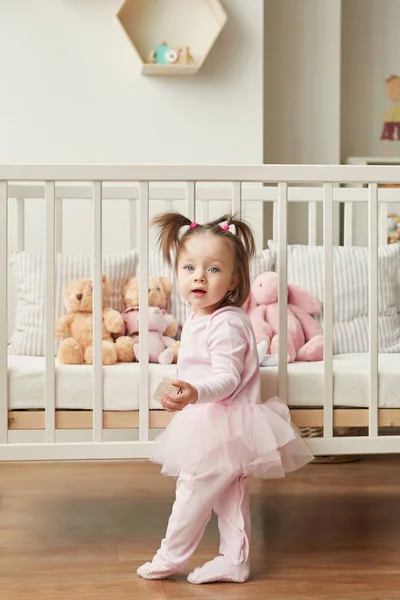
point(214, 445)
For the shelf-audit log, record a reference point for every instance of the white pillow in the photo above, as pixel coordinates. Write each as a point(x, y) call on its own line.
point(350, 284)
point(28, 337)
point(263, 261)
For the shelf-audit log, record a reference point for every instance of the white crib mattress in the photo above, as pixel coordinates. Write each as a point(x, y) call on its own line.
point(121, 383)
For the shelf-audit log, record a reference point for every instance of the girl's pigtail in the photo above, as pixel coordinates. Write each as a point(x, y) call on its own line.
point(169, 225)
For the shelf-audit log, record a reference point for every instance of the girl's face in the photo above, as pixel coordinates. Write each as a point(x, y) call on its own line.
point(206, 272)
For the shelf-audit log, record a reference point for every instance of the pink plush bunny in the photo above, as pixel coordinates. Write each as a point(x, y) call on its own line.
point(305, 336)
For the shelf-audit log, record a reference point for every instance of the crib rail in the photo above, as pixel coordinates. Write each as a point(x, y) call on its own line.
point(276, 184)
point(196, 195)
point(209, 173)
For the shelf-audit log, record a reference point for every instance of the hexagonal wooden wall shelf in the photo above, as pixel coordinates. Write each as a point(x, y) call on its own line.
point(172, 37)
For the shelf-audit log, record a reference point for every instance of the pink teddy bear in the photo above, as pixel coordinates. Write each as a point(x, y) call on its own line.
point(305, 336)
point(159, 344)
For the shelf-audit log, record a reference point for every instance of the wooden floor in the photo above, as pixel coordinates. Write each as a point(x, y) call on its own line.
point(79, 531)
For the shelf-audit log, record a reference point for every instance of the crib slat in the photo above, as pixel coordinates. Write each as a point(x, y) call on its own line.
point(373, 307)
point(312, 223)
point(237, 198)
point(348, 223)
point(21, 223)
point(143, 312)
point(328, 308)
point(191, 200)
point(3, 312)
point(191, 197)
point(282, 293)
point(50, 311)
point(97, 314)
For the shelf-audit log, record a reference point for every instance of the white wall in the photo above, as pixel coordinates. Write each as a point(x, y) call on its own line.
point(370, 54)
point(74, 93)
point(326, 62)
point(301, 91)
point(302, 81)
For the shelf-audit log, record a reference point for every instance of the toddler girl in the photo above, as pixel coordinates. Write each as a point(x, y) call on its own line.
point(221, 433)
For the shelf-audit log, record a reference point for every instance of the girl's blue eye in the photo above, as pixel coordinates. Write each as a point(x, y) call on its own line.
point(214, 270)
point(188, 268)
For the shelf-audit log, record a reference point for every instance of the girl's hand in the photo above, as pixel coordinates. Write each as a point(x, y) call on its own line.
point(174, 402)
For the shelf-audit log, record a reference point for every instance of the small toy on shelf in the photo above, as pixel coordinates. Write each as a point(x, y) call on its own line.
point(393, 227)
point(164, 54)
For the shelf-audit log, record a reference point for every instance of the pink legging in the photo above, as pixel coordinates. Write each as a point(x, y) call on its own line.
point(196, 497)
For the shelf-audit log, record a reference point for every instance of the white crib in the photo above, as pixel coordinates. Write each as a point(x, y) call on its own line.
point(199, 191)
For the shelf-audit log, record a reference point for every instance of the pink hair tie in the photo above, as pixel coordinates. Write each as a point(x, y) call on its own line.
point(226, 227)
point(193, 225)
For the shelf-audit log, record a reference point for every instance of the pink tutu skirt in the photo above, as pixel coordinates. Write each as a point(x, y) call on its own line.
point(232, 438)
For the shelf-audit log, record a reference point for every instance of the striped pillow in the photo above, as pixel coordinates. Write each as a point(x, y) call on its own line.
point(350, 297)
point(28, 337)
point(264, 261)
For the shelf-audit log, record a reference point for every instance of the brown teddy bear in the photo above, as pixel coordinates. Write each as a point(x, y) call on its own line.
point(160, 289)
point(77, 329)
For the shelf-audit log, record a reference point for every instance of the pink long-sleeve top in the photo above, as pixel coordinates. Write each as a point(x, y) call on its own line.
point(218, 355)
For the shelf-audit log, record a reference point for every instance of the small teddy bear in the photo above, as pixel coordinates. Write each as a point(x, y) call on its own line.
point(160, 345)
point(77, 329)
point(159, 291)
